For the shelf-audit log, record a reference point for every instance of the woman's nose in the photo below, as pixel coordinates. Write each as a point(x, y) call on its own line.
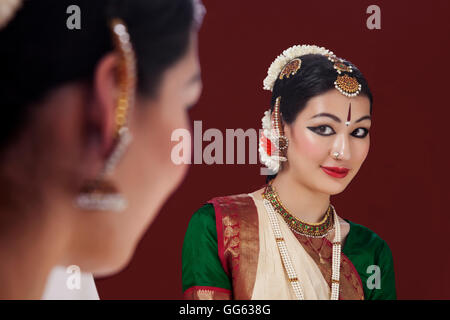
point(341, 145)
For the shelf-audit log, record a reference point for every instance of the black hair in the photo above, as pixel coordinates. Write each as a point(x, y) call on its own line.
point(38, 52)
point(316, 76)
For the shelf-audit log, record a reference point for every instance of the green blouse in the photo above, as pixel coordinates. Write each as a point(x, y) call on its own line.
point(369, 254)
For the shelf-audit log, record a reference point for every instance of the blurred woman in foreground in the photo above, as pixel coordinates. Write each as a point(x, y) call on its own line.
point(85, 145)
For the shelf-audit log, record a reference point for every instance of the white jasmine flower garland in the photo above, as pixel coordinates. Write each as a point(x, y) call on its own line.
point(271, 161)
point(287, 55)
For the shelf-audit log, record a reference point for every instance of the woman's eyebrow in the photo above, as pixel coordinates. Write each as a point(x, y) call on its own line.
point(329, 115)
point(364, 118)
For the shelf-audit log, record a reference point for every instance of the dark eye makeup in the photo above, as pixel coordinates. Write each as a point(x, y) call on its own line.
point(360, 133)
point(323, 130)
point(326, 130)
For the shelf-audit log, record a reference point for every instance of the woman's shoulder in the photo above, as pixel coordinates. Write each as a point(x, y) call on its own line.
point(201, 229)
point(203, 217)
point(362, 236)
point(206, 215)
point(207, 210)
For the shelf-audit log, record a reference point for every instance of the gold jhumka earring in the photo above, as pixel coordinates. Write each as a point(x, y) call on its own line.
point(283, 141)
point(100, 194)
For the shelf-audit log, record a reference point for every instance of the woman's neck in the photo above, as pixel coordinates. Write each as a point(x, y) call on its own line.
point(30, 246)
point(303, 203)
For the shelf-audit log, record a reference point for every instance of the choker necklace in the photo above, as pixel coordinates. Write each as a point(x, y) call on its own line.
point(313, 230)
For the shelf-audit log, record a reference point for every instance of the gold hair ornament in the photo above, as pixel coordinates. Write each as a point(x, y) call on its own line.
point(345, 84)
point(291, 68)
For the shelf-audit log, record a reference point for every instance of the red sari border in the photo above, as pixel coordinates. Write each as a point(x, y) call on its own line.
point(219, 228)
point(238, 241)
point(350, 263)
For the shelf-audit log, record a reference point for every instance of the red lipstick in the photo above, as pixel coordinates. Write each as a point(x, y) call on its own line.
point(335, 171)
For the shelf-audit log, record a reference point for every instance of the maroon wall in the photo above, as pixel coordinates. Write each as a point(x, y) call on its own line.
point(401, 191)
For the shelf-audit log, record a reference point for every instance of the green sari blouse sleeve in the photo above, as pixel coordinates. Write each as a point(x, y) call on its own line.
point(386, 290)
point(373, 260)
point(201, 265)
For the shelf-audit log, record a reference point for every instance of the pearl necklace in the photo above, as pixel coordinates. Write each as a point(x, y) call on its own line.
point(287, 262)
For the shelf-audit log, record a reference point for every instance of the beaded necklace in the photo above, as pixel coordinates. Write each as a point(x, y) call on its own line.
point(286, 259)
point(313, 230)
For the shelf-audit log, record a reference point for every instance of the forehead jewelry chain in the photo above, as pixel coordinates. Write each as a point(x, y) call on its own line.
point(287, 262)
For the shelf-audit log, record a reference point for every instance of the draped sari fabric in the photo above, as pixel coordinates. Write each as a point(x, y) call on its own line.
point(230, 252)
point(313, 266)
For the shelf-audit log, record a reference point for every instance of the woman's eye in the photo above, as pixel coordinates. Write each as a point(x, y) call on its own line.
point(322, 130)
point(360, 132)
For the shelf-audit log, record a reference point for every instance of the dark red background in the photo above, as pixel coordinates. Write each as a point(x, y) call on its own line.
point(401, 192)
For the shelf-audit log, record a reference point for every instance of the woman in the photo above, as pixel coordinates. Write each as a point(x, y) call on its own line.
point(92, 91)
point(285, 240)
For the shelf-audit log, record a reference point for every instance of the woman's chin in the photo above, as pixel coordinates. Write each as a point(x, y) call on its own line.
point(114, 262)
point(333, 187)
point(111, 269)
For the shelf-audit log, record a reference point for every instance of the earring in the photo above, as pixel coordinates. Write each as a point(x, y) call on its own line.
point(100, 193)
point(283, 141)
point(273, 143)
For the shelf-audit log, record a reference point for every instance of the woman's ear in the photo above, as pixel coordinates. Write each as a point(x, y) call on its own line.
point(98, 117)
point(105, 94)
point(287, 129)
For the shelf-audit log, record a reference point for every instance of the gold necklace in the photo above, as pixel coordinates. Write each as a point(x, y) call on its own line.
point(314, 230)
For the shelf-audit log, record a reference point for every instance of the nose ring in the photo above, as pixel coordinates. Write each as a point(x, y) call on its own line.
point(336, 155)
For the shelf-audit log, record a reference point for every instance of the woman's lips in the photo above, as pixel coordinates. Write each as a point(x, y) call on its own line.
point(335, 171)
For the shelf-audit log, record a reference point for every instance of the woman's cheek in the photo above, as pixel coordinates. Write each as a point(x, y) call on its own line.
point(311, 145)
point(362, 151)
point(164, 126)
point(178, 120)
point(359, 155)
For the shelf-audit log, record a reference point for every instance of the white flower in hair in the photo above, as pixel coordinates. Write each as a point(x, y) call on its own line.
point(8, 9)
point(268, 144)
point(284, 58)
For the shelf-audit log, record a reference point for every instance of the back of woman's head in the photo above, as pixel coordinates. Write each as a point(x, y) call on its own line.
point(68, 104)
point(39, 52)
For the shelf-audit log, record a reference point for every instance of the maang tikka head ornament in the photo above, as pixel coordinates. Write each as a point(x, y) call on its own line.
point(345, 84)
point(101, 194)
point(273, 144)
